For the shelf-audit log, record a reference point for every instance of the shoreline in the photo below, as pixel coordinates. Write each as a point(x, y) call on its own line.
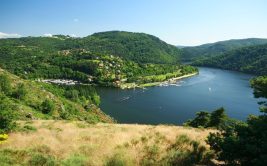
point(171, 80)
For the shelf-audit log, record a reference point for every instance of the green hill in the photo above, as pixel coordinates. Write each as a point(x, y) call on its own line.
point(26, 99)
point(139, 47)
point(251, 59)
point(92, 59)
point(218, 48)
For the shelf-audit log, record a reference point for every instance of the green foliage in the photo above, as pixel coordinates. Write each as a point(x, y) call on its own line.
point(28, 128)
point(202, 119)
point(216, 119)
point(103, 58)
point(20, 92)
point(139, 47)
point(218, 48)
point(119, 159)
point(41, 159)
point(5, 84)
point(259, 84)
point(72, 94)
point(47, 106)
point(75, 160)
point(32, 99)
point(247, 59)
point(96, 99)
point(178, 153)
point(241, 143)
point(6, 115)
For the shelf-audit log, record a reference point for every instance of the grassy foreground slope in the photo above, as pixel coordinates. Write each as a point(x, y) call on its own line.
point(79, 143)
point(27, 99)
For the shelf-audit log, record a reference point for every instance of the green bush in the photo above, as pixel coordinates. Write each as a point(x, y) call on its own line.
point(47, 106)
point(7, 122)
point(216, 119)
point(42, 160)
point(72, 94)
point(28, 128)
point(5, 84)
point(20, 92)
point(96, 99)
point(75, 160)
point(240, 143)
point(202, 119)
point(118, 159)
point(184, 152)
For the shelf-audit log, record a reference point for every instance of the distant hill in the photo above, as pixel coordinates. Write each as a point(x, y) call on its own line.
point(139, 47)
point(107, 58)
point(218, 48)
point(252, 59)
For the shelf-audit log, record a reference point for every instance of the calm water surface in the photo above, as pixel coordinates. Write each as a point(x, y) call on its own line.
point(211, 89)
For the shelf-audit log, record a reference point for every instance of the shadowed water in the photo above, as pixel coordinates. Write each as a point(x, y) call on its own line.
point(211, 89)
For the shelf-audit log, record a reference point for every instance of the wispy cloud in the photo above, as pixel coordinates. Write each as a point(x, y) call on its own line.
point(9, 35)
point(76, 20)
point(48, 35)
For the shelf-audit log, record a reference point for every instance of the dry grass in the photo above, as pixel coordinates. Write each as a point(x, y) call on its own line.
point(99, 141)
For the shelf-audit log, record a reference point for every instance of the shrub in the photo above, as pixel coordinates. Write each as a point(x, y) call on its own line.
point(12, 157)
point(217, 118)
point(187, 152)
point(96, 99)
point(151, 156)
point(118, 159)
point(75, 160)
point(240, 143)
point(72, 94)
point(202, 119)
point(41, 160)
point(47, 106)
point(21, 92)
point(28, 128)
point(6, 116)
point(5, 84)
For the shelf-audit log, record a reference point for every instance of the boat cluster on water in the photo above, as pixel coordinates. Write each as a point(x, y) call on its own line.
point(60, 81)
point(167, 83)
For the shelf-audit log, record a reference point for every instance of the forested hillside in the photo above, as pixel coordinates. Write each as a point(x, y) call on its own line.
point(92, 59)
point(23, 100)
point(218, 48)
point(138, 47)
point(248, 59)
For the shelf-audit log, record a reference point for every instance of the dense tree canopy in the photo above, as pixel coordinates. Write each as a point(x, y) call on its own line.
point(248, 59)
point(218, 48)
point(139, 47)
point(103, 58)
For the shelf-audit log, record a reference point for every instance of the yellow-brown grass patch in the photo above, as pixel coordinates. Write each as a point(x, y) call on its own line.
point(99, 141)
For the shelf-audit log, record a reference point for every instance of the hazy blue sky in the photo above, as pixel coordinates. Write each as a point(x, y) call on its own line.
point(178, 22)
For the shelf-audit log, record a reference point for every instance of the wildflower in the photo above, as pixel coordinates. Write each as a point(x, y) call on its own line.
point(3, 138)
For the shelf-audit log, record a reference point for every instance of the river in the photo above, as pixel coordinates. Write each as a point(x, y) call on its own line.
point(211, 89)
